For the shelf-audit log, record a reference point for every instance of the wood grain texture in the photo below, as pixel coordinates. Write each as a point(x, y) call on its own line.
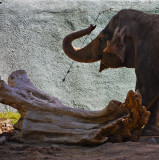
point(46, 119)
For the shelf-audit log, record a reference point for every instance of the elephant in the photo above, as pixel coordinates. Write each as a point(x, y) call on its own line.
point(130, 39)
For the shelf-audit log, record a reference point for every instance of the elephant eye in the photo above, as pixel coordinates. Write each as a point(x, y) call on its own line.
point(102, 39)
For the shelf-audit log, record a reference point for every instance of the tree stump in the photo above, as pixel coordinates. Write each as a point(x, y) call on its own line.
point(46, 119)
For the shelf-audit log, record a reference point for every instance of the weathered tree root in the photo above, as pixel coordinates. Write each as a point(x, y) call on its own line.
point(46, 119)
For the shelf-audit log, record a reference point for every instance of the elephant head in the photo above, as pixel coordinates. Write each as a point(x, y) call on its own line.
point(113, 46)
point(114, 53)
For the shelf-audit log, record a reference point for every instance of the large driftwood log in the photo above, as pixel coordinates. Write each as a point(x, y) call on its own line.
point(46, 119)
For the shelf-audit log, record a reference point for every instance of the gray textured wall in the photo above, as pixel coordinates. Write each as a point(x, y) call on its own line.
point(31, 39)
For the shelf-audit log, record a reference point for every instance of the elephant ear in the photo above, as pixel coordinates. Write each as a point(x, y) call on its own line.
point(116, 45)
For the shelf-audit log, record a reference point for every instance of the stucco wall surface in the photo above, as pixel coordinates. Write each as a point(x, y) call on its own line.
point(31, 34)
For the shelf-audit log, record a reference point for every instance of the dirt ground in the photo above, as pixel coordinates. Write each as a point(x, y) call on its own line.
point(146, 149)
point(108, 151)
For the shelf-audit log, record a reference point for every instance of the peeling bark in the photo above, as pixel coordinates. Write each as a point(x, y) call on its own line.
point(46, 119)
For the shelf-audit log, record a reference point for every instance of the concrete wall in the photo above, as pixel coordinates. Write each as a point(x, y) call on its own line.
point(31, 38)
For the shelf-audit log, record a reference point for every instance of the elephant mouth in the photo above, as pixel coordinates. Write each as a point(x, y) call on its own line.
point(102, 67)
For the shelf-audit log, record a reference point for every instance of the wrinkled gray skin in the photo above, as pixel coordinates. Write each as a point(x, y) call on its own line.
point(138, 45)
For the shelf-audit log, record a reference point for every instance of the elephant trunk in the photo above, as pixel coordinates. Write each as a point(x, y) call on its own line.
point(86, 54)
